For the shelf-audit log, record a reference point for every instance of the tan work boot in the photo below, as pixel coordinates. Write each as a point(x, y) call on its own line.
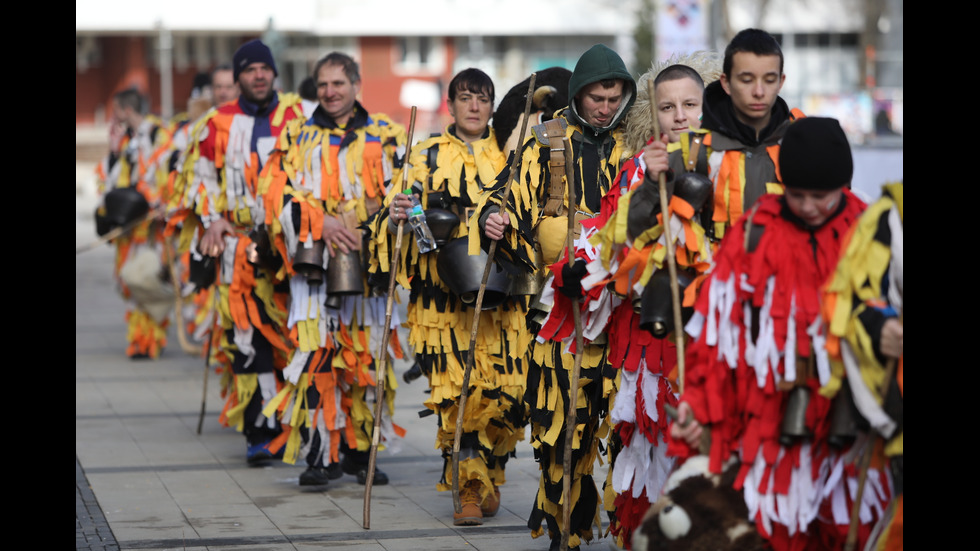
point(491, 504)
point(469, 498)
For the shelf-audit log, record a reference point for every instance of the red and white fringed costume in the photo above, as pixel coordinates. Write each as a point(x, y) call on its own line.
point(619, 269)
point(757, 315)
point(141, 163)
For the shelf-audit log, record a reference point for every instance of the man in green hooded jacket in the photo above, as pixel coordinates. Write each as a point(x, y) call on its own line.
point(531, 233)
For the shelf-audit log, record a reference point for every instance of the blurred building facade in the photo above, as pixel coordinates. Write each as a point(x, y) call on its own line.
point(843, 57)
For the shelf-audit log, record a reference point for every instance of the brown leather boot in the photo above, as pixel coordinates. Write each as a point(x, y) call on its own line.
point(470, 513)
point(491, 504)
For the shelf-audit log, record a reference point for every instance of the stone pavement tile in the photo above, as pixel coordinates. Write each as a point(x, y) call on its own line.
point(232, 520)
point(192, 488)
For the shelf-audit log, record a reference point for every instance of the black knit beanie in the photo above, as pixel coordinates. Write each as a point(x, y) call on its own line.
point(251, 52)
point(815, 155)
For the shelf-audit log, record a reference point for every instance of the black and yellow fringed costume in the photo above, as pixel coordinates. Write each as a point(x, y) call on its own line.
point(539, 239)
point(450, 174)
point(319, 170)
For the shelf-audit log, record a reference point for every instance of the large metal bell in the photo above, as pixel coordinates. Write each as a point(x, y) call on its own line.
point(657, 305)
point(463, 274)
point(124, 205)
point(308, 261)
point(344, 276)
point(794, 417)
point(443, 225)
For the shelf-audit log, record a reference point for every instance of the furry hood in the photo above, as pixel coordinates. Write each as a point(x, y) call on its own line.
point(639, 121)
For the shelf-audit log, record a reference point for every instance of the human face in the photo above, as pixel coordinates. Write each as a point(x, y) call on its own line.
point(223, 86)
point(597, 105)
point(813, 206)
point(336, 92)
point(754, 86)
point(678, 106)
point(255, 82)
point(471, 111)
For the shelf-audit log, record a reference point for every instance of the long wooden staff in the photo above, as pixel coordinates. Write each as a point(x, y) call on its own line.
point(852, 532)
point(478, 305)
point(675, 293)
point(207, 355)
point(382, 357)
point(571, 415)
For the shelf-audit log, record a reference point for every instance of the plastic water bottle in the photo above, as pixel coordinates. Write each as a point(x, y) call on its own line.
point(416, 218)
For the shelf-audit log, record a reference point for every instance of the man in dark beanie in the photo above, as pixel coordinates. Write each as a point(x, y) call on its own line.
point(217, 208)
point(757, 368)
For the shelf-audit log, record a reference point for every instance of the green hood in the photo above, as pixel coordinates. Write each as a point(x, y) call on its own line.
point(601, 63)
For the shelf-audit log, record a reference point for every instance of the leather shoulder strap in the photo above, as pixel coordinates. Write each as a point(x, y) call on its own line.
point(555, 134)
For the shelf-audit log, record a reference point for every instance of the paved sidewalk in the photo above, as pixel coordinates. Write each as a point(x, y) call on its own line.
point(146, 480)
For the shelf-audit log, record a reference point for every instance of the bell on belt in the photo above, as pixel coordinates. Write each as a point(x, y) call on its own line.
point(794, 417)
point(845, 419)
point(443, 225)
point(463, 274)
point(656, 307)
point(344, 277)
point(308, 261)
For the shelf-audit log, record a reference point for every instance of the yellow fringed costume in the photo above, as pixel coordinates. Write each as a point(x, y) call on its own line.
point(449, 174)
point(865, 291)
point(319, 170)
point(539, 239)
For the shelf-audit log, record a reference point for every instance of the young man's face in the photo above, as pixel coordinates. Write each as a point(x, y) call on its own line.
point(597, 105)
point(336, 93)
point(754, 85)
point(813, 206)
point(471, 111)
point(255, 82)
point(678, 106)
point(223, 86)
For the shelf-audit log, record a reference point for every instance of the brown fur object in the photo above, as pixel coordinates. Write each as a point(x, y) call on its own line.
point(639, 121)
point(698, 512)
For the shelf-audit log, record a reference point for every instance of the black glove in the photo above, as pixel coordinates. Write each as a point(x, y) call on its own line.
point(571, 278)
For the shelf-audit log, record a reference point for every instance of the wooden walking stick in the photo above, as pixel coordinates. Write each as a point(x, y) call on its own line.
point(571, 415)
point(675, 294)
point(207, 355)
point(478, 305)
point(382, 357)
point(852, 532)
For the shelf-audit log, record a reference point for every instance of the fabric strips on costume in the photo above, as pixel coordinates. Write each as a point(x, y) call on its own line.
point(219, 179)
point(756, 321)
point(140, 253)
point(449, 174)
point(314, 173)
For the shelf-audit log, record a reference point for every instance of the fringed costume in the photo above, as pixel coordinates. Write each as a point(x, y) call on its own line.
point(866, 290)
point(321, 170)
point(141, 259)
point(757, 345)
point(621, 262)
point(538, 207)
point(219, 179)
point(449, 174)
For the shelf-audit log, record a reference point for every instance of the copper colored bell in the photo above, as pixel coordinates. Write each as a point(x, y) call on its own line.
point(843, 418)
point(308, 261)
